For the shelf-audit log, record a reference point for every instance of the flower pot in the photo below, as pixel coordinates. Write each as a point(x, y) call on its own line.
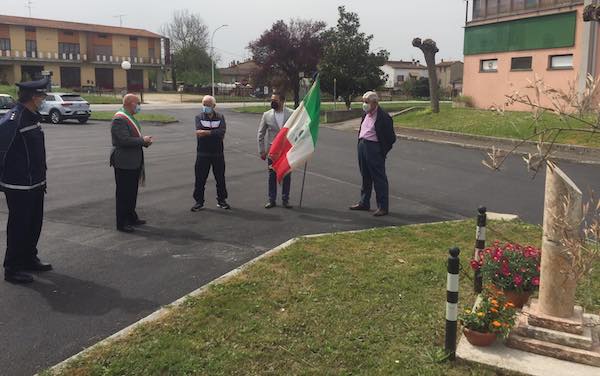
point(517, 298)
point(478, 338)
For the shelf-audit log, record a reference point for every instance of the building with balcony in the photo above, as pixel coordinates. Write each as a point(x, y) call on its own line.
point(510, 42)
point(80, 56)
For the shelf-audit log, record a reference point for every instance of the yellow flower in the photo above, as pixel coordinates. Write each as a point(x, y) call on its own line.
point(467, 311)
point(480, 314)
point(496, 324)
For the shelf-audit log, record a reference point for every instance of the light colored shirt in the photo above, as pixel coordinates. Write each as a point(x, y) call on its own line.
point(279, 116)
point(367, 128)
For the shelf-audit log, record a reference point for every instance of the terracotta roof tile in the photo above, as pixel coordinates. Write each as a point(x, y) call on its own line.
point(75, 26)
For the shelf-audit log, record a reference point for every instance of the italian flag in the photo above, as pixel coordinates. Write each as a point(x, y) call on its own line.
point(296, 141)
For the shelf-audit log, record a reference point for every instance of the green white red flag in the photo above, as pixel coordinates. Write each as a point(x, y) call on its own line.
point(297, 140)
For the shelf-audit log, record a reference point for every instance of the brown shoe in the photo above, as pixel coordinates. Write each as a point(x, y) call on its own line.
point(359, 207)
point(380, 213)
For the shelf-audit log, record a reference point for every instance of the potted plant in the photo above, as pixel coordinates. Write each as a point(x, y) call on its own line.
point(494, 316)
point(512, 268)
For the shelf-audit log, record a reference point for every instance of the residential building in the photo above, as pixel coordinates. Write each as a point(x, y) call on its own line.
point(400, 71)
point(450, 76)
point(242, 73)
point(511, 42)
point(78, 55)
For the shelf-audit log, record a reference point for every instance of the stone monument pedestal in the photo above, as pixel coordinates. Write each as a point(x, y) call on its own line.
point(574, 339)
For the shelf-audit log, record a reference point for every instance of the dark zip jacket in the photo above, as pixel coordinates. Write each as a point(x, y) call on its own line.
point(22, 150)
point(211, 145)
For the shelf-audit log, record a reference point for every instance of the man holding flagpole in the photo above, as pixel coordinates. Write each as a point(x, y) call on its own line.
point(127, 158)
point(296, 141)
point(271, 123)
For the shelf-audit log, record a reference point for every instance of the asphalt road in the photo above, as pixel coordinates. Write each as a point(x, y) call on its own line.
point(105, 280)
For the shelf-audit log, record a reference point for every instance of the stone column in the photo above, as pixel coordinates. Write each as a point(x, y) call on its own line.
point(557, 284)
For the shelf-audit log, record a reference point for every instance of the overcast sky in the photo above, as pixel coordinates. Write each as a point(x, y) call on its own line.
point(394, 23)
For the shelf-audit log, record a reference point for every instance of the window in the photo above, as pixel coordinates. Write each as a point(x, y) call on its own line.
point(531, 4)
point(561, 62)
point(151, 52)
point(520, 63)
point(50, 98)
point(70, 33)
point(133, 52)
point(400, 78)
point(31, 47)
point(490, 65)
point(30, 29)
point(4, 44)
point(68, 48)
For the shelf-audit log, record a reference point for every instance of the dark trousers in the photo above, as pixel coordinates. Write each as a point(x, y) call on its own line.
point(372, 168)
point(203, 165)
point(25, 217)
point(287, 184)
point(127, 182)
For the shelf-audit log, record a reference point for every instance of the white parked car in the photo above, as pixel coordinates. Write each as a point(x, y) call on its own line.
point(62, 106)
point(6, 103)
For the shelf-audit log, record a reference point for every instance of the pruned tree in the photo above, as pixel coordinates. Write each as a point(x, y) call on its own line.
point(286, 51)
point(348, 60)
point(429, 48)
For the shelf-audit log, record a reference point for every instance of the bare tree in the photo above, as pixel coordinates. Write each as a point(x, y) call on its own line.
point(186, 30)
point(429, 48)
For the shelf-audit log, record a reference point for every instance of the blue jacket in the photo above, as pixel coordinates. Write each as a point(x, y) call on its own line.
point(22, 150)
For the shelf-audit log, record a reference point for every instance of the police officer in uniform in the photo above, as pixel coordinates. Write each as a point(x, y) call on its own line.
point(23, 180)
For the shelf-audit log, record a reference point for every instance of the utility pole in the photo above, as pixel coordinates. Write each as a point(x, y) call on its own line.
point(29, 5)
point(120, 17)
point(212, 58)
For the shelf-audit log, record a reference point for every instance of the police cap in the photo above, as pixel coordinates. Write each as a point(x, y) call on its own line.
point(39, 86)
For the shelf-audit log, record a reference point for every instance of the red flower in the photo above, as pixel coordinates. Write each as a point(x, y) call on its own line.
point(475, 265)
point(535, 281)
point(518, 280)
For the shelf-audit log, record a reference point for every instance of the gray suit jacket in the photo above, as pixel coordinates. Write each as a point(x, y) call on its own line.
point(127, 153)
point(268, 128)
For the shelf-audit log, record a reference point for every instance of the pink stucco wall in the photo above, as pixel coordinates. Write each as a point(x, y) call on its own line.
point(489, 89)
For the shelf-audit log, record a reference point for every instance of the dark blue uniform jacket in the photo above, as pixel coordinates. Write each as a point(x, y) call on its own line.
point(22, 150)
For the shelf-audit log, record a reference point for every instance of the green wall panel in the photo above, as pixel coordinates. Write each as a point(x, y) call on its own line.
point(553, 31)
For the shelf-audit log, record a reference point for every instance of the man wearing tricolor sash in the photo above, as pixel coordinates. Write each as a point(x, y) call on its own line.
point(127, 158)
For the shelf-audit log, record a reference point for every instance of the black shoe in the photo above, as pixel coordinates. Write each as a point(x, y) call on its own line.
point(127, 229)
point(17, 277)
point(223, 205)
point(197, 207)
point(380, 213)
point(139, 222)
point(287, 205)
point(359, 207)
point(38, 266)
point(270, 205)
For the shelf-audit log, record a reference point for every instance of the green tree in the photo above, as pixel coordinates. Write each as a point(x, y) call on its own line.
point(189, 39)
point(348, 60)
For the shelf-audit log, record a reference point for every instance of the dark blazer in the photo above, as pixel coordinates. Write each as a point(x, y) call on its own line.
point(384, 128)
point(127, 153)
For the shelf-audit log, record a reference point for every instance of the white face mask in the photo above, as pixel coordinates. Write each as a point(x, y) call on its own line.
point(366, 107)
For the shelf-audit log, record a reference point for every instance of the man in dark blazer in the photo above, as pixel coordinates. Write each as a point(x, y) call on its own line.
point(375, 139)
point(127, 158)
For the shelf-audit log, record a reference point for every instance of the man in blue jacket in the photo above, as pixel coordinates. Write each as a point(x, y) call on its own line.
point(23, 180)
point(210, 132)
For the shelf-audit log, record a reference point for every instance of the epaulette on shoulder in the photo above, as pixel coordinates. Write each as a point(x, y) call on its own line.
point(13, 115)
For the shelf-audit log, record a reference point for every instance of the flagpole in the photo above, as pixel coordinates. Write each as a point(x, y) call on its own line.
point(303, 180)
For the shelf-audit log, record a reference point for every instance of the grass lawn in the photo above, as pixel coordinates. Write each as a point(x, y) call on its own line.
point(157, 118)
point(369, 303)
point(518, 125)
point(92, 99)
point(390, 107)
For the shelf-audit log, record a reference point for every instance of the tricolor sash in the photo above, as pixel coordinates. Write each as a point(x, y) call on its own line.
point(131, 121)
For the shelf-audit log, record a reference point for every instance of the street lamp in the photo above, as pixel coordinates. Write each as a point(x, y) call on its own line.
point(212, 57)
